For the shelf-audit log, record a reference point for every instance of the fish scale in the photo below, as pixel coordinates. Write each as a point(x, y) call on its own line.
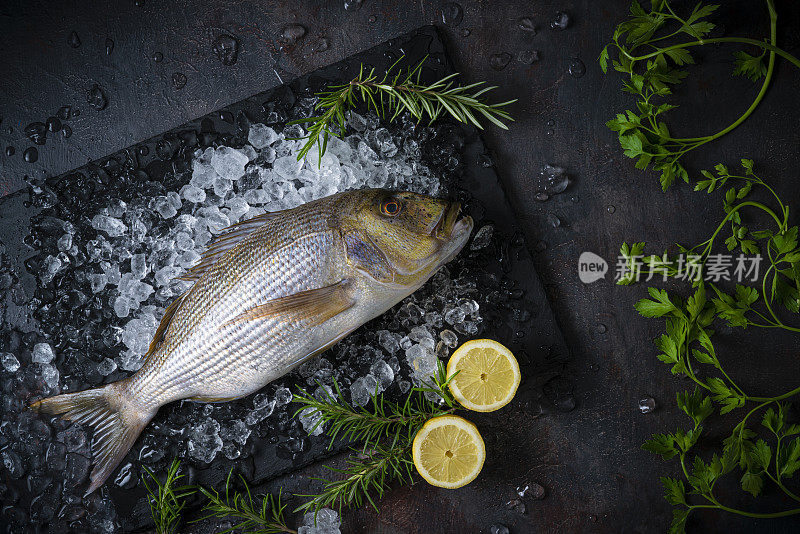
point(270, 293)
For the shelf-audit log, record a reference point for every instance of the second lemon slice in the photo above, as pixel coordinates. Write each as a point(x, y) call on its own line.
point(448, 451)
point(488, 375)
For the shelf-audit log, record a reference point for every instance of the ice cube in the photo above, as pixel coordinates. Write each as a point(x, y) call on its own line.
point(50, 268)
point(362, 389)
point(184, 241)
point(222, 186)
point(106, 367)
point(122, 306)
point(260, 412)
point(139, 291)
point(202, 175)
point(449, 338)
point(193, 193)
point(356, 121)
point(385, 142)
point(311, 420)
point(165, 274)
point(256, 196)
point(248, 152)
point(383, 373)
point(283, 396)
point(97, 282)
point(389, 341)
point(111, 226)
point(188, 259)
point(482, 238)
point(236, 432)
point(65, 242)
point(50, 375)
point(10, 362)
point(228, 163)
point(204, 441)
point(261, 136)
point(287, 167)
point(454, 315)
point(367, 154)
point(214, 219)
point(138, 266)
point(423, 362)
point(238, 207)
point(42, 353)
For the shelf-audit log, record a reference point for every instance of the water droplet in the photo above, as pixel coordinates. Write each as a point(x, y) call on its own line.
point(53, 124)
point(109, 46)
point(549, 132)
point(158, 57)
point(452, 14)
point(551, 122)
point(464, 32)
point(178, 80)
point(353, 5)
point(647, 404)
point(31, 155)
point(499, 61)
point(66, 131)
point(575, 199)
point(485, 160)
point(143, 150)
point(611, 209)
point(576, 68)
point(10, 151)
point(292, 33)
point(541, 196)
point(553, 220)
point(36, 132)
point(526, 24)
point(76, 113)
point(138, 3)
point(560, 21)
point(540, 246)
point(372, 18)
point(64, 113)
point(73, 40)
point(96, 98)
point(226, 48)
point(226, 116)
point(528, 56)
point(600, 328)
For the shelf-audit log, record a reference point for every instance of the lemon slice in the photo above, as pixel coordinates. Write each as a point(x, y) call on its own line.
point(448, 451)
point(488, 375)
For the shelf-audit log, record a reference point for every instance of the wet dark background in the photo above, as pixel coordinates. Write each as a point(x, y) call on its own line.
point(596, 478)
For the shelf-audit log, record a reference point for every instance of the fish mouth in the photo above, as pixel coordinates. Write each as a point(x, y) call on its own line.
point(447, 222)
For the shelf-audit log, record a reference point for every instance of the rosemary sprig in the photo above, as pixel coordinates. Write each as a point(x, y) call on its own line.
point(166, 499)
point(265, 517)
point(387, 430)
point(393, 93)
point(366, 474)
point(380, 419)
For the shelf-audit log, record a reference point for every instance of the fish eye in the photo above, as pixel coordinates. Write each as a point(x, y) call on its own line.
point(390, 208)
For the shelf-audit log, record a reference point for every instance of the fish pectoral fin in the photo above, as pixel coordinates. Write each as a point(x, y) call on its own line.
point(229, 238)
point(161, 331)
point(317, 305)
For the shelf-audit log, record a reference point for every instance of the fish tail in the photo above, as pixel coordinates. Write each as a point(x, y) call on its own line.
point(114, 418)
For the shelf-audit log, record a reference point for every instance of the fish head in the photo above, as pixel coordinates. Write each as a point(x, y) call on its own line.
point(402, 237)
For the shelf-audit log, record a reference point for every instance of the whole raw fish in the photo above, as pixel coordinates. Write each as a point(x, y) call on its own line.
point(270, 293)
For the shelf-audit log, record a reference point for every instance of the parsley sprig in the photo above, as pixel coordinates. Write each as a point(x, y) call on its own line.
point(651, 49)
point(757, 455)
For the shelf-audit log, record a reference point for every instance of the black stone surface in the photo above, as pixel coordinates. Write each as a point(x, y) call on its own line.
point(502, 275)
point(597, 478)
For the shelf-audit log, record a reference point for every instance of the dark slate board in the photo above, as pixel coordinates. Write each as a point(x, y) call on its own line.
point(503, 274)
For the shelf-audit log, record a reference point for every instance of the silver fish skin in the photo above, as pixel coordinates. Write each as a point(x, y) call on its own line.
point(270, 293)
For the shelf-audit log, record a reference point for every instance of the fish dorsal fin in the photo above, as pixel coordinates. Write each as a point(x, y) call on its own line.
point(161, 331)
point(317, 305)
point(229, 238)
